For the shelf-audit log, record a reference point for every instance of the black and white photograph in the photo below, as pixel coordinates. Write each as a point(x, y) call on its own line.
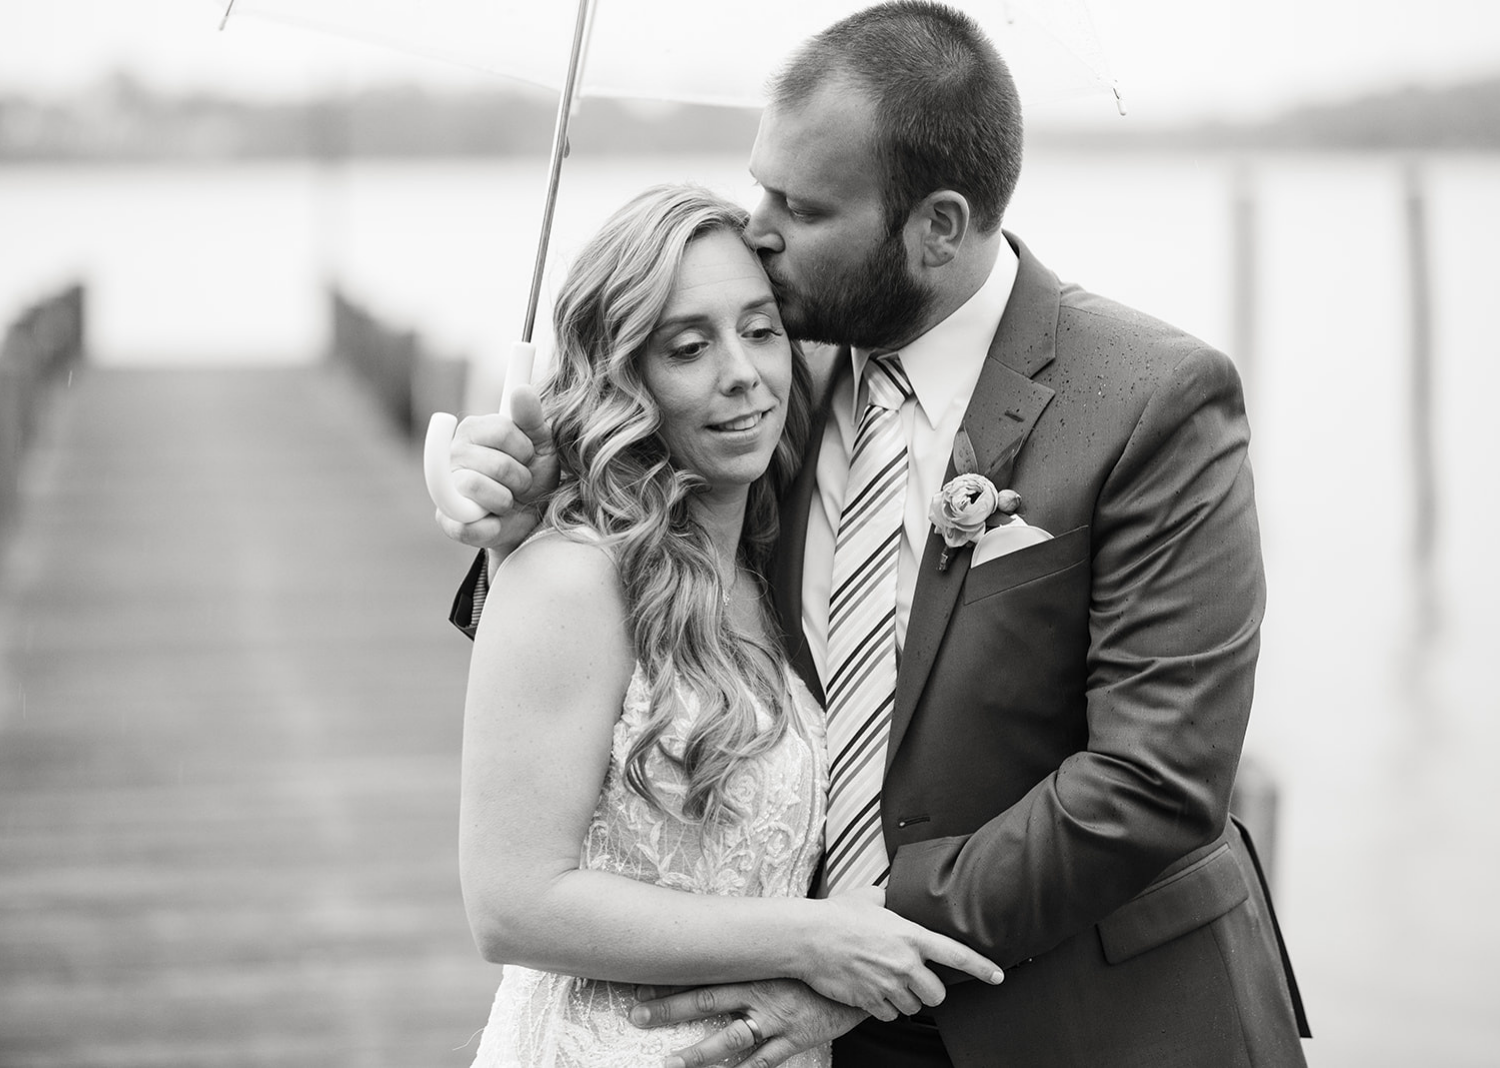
point(668, 533)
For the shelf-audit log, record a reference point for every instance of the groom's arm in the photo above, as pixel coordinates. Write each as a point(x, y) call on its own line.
point(1176, 603)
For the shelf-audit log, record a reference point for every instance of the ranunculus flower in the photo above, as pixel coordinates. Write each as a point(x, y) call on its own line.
point(959, 510)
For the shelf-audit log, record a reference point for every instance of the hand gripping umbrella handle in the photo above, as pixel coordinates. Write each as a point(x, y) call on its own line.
point(440, 430)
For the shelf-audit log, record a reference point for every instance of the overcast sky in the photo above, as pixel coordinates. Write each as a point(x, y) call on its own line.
point(1173, 59)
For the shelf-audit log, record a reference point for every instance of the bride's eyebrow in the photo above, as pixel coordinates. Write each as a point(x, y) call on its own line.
point(675, 321)
point(697, 318)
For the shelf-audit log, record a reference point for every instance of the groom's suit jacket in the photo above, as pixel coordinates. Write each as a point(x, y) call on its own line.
point(1069, 717)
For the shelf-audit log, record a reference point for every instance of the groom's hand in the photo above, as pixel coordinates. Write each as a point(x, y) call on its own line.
point(789, 1014)
point(505, 464)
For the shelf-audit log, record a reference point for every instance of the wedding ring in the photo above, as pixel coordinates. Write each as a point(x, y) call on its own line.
point(754, 1029)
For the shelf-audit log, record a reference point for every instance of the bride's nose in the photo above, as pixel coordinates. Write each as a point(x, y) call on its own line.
point(738, 372)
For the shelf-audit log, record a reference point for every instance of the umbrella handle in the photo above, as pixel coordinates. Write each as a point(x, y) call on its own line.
point(440, 430)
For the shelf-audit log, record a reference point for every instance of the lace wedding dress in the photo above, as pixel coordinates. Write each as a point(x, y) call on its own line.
point(545, 1020)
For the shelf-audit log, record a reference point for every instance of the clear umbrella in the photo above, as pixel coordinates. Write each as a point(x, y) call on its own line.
point(701, 51)
point(694, 51)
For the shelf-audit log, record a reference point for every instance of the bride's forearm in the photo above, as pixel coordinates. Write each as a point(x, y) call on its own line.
point(605, 926)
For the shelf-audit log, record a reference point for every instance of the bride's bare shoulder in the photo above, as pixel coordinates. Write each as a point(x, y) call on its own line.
point(564, 570)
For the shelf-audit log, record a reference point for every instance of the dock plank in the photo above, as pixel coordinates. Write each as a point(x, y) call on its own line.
point(230, 714)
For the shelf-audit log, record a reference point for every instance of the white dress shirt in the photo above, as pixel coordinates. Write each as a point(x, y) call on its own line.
point(943, 366)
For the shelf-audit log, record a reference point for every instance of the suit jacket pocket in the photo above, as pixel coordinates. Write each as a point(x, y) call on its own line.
point(1027, 565)
point(1174, 905)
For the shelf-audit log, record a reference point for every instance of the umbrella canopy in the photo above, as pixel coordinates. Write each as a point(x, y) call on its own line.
point(693, 51)
point(698, 51)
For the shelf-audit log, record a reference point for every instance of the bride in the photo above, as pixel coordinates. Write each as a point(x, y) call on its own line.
point(644, 777)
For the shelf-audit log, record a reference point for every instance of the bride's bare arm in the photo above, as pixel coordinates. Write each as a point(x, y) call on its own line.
point(552, 660)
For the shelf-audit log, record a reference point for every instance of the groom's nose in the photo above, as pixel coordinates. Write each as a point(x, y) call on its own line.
point(760, 233)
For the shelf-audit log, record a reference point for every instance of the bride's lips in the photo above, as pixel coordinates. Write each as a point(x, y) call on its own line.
point(740, 423)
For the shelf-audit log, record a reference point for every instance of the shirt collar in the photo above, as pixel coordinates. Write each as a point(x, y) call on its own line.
point(944, 363)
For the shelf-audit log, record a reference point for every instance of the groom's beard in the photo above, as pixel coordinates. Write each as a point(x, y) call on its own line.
point(872, 306)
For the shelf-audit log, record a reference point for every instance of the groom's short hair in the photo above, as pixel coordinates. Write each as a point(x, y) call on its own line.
point(947, 112)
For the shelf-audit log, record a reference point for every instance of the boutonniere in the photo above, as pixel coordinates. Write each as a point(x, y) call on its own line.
point(964, 508)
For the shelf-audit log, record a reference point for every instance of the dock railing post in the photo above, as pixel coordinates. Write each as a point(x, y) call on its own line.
point(1244, 253)
point(1423, 468)
point(42, 345)
point(1254, 803)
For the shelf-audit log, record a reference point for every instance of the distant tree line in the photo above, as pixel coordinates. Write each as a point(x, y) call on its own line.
point(1463, 117)
point(121, 119)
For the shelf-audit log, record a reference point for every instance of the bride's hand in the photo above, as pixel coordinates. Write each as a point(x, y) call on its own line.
point(873, 959)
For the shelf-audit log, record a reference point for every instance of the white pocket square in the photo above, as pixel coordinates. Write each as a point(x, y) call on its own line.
point(1005, 539)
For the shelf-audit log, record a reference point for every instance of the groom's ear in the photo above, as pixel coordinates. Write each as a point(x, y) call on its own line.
point(941, 221)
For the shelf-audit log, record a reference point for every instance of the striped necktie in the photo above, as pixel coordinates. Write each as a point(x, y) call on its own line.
point(862, 631)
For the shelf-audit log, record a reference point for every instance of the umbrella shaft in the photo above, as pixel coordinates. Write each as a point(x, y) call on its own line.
point(559, 150)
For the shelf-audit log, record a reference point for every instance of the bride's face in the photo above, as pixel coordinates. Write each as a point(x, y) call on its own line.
point(719, 364)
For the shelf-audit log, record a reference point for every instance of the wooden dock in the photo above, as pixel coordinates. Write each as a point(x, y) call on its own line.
point(230, 710)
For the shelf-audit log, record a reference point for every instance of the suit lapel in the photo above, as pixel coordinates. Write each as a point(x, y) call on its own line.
point(1001, 414)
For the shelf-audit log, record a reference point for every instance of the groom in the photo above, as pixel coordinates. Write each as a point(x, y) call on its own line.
point(1034, 732)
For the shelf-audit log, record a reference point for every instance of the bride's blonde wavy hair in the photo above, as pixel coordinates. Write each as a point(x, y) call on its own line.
point(619, 483)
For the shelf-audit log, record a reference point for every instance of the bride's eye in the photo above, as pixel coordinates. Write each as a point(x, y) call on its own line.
point(761, 329)
point(687, 347)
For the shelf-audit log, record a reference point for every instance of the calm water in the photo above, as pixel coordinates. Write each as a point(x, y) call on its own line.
point(1379, 730)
